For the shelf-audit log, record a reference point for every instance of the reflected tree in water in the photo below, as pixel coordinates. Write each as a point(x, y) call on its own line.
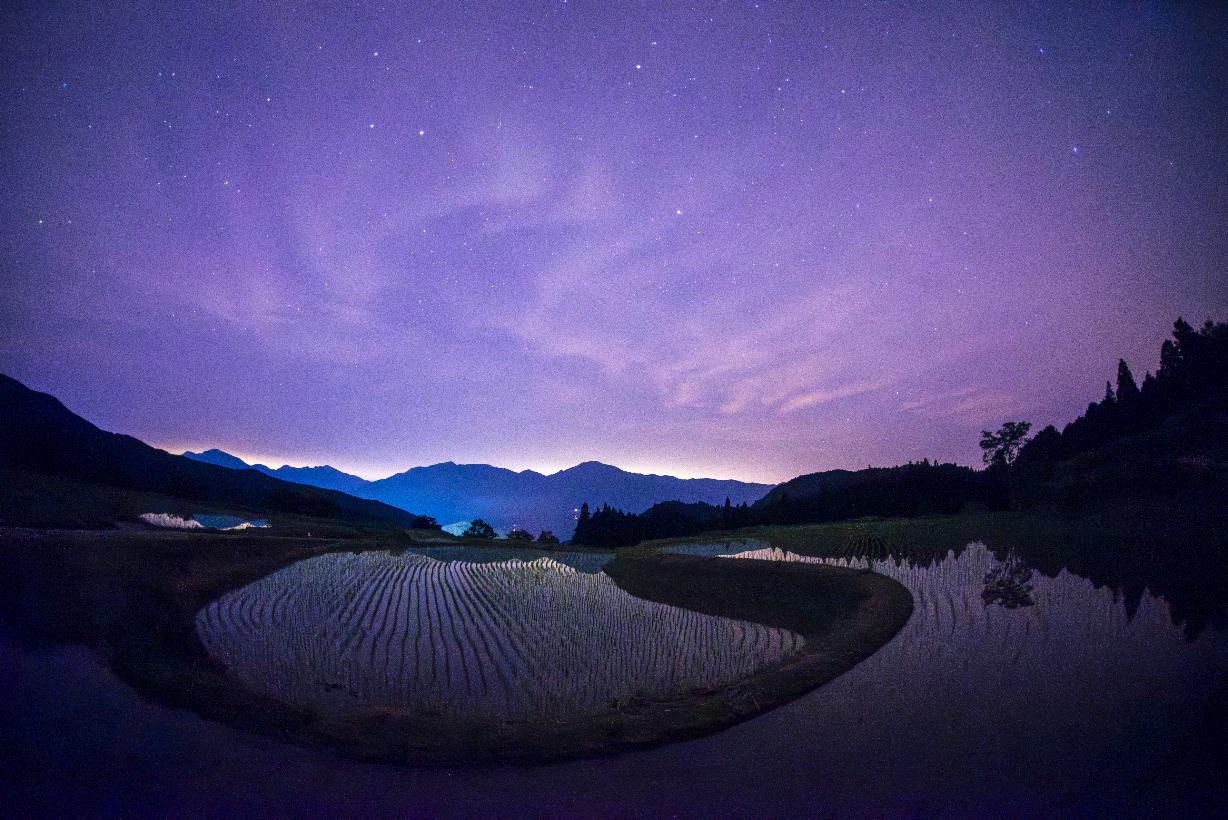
point(1009, 584)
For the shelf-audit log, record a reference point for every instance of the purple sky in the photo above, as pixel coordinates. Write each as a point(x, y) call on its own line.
point(746, 240)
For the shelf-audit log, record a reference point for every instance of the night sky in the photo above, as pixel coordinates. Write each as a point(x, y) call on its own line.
point(746, 240)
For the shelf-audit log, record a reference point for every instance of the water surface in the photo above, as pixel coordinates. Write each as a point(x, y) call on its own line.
point(1082, 702)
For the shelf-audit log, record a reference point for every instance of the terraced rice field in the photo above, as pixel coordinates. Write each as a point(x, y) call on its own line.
point(510, 640)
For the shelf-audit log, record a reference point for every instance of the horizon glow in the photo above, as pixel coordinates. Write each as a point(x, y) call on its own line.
point(752, 241)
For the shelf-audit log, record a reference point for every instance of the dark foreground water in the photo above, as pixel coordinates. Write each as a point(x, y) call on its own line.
point(1072, 700)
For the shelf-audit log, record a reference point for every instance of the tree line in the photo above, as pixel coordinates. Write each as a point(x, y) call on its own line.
point(1168, 435)
point(480, 529)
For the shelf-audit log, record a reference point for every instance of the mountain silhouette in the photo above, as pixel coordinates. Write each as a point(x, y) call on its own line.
point(506, 498)
point(326, 477)
point(222, 459)
point(43, 443)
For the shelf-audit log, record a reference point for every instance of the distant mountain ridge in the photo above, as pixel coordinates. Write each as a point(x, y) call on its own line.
point(506, 498)
point(326, 477)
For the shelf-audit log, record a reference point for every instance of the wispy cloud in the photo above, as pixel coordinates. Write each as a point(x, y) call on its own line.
point(974, 403)
point(822, 396)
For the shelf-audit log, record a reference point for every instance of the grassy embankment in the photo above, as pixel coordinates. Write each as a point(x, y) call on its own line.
point(844, 615)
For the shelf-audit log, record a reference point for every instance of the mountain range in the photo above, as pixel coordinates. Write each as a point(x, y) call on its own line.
point(506, 498)
point(329, 478)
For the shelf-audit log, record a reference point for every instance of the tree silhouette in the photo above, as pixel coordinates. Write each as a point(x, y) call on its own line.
point(547, 537)
point(583, 525)
point(1127, 388)
point(1002, 447)
point(518, 534)
point(479, 529)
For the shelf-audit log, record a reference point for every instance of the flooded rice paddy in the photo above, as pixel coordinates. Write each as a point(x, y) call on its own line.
point(494, 640)
point(1061, 697)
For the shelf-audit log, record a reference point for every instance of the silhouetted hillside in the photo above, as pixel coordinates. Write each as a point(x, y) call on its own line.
point(908, 490)
point(911, 489)
point(40, 436)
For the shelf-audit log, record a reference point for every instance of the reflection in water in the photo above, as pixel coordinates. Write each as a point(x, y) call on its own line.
point(1077, 698)
point(507, 640)
point(1009, 584)
point(1066, 708)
